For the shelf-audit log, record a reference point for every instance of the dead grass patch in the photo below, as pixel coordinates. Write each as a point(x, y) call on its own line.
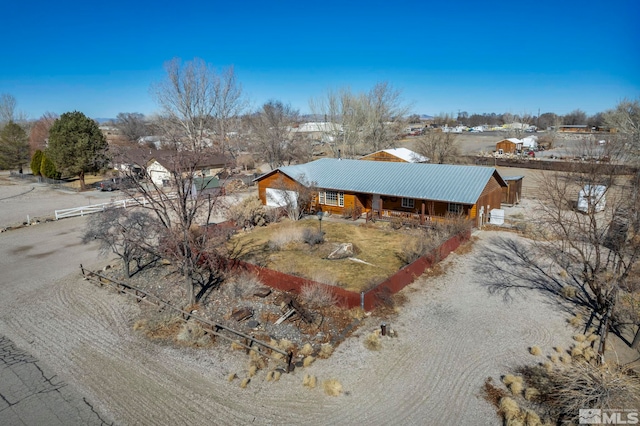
point(372, 342)
point(332, 387)
point(380, 248)
point(535, 350)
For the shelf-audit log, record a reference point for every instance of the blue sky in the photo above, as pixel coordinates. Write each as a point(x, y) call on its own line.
point(491, 56)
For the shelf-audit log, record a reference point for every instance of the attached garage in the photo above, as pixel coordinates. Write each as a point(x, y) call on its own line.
point(281, 198)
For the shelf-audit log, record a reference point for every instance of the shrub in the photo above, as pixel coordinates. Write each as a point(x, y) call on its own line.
point(192, 333)
point(242, 285)
point(579, 337)
point(245, 382)
point(326, 349)
point(308, 360)
point(372, 342)
point(285, 236)
point(569, 292)
point(312, 236)
point(269, 376)
point(332, 387)
point(535, 350)
point(48, 169)
point(531, 393)
point(36, 162)
point(306, 350)
point(276, 375)
point(317, 295)
point(249, 212)
point(232, 377)
point(509, 408)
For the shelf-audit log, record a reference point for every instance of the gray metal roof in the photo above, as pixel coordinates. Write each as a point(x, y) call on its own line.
point(439, 182)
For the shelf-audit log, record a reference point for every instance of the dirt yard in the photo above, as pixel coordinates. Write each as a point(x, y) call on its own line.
point(452, 335)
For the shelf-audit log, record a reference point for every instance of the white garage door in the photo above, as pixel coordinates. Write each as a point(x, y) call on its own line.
point(281, 198)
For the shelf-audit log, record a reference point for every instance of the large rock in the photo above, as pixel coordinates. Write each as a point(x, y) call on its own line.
point(343, 251)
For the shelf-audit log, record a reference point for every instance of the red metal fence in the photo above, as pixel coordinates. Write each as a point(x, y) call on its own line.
point(349, 299)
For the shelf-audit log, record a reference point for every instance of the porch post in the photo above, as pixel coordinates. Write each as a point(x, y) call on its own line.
point(422, 215)
point(380, 212)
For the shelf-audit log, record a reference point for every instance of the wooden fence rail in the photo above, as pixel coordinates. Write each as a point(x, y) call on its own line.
point(209, 327)
point(96, 208)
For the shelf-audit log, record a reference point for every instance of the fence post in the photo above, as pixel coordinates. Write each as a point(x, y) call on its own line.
point(362, 300)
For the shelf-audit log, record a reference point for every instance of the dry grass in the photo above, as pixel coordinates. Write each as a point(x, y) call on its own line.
point(309, 381)
point(579, 337)
point(232, 377)
point(509, 408)
point(535, 350)
point(332, 387)
point(554, 358)
point(372, 342)
point(569, 292)
point(276, 375)
point(531, 393)
point(326, 350)
point(382, 246)
point(516, 388)
point(576, 320)
point(510, 378)
point(559, 349)
point(286, 345)
point(242, 285)
point(269, 376)
point(236, 346)
point(576, 351)
point(192, 333)
point(317, 295)
point(306, 350)
point(245, 382)
point(531, 418)
point(307, 361)
point(565, 358)
point(252, 370)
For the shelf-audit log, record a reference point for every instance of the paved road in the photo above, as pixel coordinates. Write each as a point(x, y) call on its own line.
point(30, 259)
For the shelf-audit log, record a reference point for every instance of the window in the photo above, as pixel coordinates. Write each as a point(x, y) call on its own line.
point(454, 208)
point(407, 203)
point(332, 198)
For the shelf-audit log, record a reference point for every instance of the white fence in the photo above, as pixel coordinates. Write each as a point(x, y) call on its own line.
point(96, 208)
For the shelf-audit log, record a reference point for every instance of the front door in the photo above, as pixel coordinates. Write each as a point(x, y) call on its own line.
point(375, 202)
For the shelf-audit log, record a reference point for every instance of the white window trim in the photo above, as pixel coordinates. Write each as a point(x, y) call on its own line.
point(408, 203)
point(322, 196)
point(459, 208)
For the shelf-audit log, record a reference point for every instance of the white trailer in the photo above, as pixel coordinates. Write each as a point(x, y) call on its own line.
point(592, 198)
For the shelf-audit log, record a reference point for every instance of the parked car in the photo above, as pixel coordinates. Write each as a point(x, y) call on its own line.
point(116, 183)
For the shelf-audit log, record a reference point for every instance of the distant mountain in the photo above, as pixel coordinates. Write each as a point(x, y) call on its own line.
point(426, 117)
point(104, 120)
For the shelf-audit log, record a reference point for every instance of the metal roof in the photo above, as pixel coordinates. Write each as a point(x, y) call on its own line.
point(438, 182)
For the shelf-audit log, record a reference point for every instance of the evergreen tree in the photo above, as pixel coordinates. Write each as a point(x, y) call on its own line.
point(76, 145)
point(14, 147)
point(48, 169)
point(36, 162)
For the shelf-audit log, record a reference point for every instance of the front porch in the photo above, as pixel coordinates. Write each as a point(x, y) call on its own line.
point(405, 218)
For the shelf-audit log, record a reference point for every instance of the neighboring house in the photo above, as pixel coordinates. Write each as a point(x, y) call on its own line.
point(421, 192)
point(163, 164)
point(402, 155)
point(513, 145)
point(321, 131)
point(209, 185)
point(509, 146)
point(574, 128)
point(512, 194)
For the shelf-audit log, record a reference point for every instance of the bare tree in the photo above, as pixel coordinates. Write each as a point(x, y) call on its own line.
point(7, 108)
point(362, 121)
point(183, 210)
point(39, 134)
point(132, 125)
point(439, 147)
point(575, 117)
point(579, 258)
point(129, 234)
point(272, 136)
point(194, 97)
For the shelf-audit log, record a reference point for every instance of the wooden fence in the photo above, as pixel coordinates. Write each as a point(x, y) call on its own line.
point(209, 327)
point(97, 208)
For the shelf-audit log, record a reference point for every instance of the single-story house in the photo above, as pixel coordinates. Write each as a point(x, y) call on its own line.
point(209, 185)
point(509, 146)
point(402, 155)
point(163, 164)
point(384, 190)
point(512, 194)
